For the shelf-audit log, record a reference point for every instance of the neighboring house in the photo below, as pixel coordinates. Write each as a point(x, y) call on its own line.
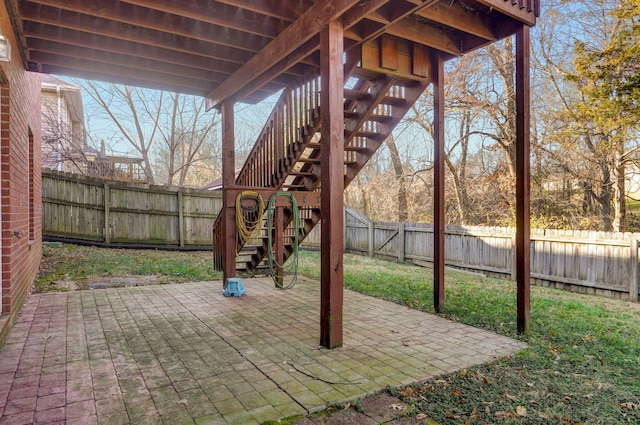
point(561, 181)
point(20, 179)
point(112, 167)
point(64, 143)
point(63, 135)
point(217, 183)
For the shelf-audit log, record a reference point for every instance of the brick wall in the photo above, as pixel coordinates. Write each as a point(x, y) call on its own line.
point(20, 180)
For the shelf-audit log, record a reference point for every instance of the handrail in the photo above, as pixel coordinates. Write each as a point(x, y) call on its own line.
point(292, 114)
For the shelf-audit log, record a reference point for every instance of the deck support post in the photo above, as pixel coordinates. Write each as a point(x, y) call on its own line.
point(228, 181)
point(523, 122)
point(437, 69)
point(332, 183)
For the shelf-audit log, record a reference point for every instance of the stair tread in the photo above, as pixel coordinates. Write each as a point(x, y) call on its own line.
point(346, 148)
point(352, 94)
point(301, 173)
point(393, 101)
point(373, 117)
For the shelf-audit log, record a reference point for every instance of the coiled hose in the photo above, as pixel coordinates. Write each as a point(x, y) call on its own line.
point(248, 219)
point(273, 264)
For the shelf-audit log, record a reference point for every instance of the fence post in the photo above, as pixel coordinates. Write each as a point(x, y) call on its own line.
point(370, 239)
point(633, 284)
point(180, 218)
point(401, 226)
point(514, 273)
point(107, 218)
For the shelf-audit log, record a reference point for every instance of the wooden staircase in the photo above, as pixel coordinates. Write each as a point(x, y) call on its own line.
point(286, 156)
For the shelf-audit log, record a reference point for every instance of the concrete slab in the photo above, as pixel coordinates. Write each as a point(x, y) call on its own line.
point(186, 354)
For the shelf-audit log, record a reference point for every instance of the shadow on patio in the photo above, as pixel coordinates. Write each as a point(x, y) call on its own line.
point(183, 354)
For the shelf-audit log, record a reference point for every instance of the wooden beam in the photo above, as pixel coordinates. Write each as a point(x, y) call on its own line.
point(57, 53)
point(263, 79)
point(278, 9)
point(124, 72)
point(352, 16)
point(332, 175)
point(523, 122)
point(225, 15)
point(514, 11)
point(118, 38)
point(137, 82)
point(384, 17)
point(228, 180)
point(423, 33)
point(437, 70)
point(123, 18)
point(460, 18)
point(298, 33)
point(82, 45)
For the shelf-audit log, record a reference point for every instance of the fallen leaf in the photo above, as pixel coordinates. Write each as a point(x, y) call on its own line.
point(504, 415)
point(542, 415)
point(408, 392)
point(521, 411)
point(456, 393)
point(182, 401)
point(428, 388)
point(421, 416)
point(630, 406)
point(397, 406)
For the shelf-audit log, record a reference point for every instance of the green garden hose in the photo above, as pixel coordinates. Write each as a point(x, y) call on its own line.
point(273, 264)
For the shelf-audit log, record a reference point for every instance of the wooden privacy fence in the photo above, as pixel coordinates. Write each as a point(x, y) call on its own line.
point(582, 261)
point(90, 209)
point(94, 210)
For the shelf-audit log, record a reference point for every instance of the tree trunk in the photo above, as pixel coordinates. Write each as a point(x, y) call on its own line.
point(605, 198)
point(398, 168)
point(619, 199)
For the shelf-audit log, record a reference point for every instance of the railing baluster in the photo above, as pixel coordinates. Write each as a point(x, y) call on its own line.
point(292, 115)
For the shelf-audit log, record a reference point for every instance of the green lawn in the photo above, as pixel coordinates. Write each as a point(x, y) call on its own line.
point(582, 365)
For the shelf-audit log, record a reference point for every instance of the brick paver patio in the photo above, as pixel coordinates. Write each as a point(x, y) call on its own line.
point(184, 354)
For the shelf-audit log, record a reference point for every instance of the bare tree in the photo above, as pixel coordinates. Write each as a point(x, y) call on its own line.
point(187, 139)
point(62, 145)
point(171, 132)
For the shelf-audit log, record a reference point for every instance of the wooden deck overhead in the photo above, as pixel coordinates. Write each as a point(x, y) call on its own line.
point(243, 50)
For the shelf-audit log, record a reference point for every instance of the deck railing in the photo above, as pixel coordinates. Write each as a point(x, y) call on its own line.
point(293, 115)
